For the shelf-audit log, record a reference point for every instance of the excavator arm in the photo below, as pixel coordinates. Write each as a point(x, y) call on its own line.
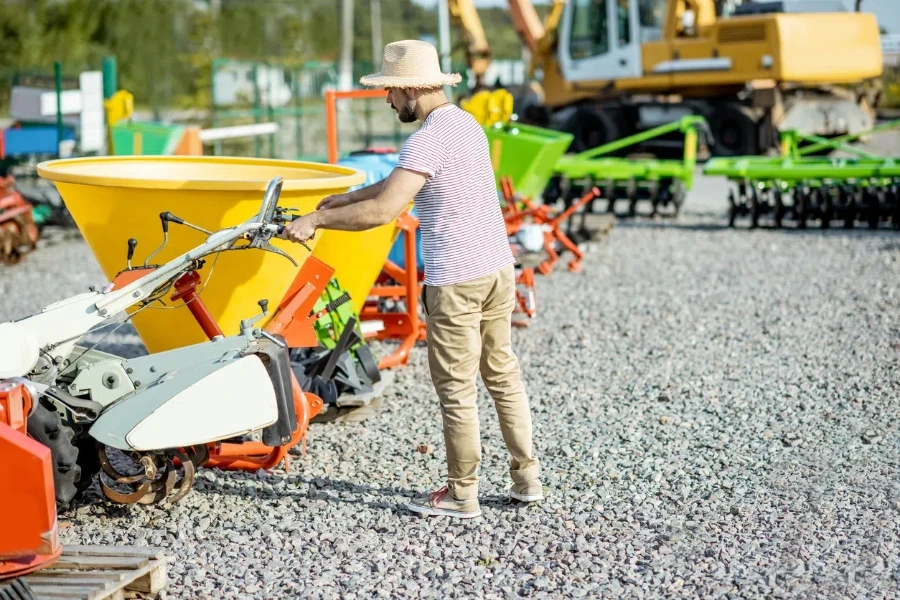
point(536, 36)
point(478, 50)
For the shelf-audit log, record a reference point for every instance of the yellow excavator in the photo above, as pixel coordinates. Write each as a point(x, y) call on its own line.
point(605, 69)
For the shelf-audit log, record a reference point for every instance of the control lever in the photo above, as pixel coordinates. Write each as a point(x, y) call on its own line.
point(165, 227)
point(248, 323)
point(288, 219)
point(132, 244)
point(167, 216)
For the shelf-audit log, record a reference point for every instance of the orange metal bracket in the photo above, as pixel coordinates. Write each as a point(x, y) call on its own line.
point(30, 537)
point(542, 215)
point(405, 326)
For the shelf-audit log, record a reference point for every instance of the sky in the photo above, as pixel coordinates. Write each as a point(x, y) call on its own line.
point(886, 11)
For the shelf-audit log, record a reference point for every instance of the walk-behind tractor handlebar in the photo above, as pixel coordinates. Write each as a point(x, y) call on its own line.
point(53, 332)
point(176, 409)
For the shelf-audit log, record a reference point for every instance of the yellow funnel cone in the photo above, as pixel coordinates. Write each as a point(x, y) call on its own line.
point(113, 199)
point(356, 257)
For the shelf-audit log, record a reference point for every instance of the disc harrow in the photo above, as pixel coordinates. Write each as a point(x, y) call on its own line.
point(801, 190)
point(663, 184)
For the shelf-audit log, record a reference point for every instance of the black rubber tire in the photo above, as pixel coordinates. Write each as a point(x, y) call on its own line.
point(89, 461)
point(591, 127)
point(528, 104)
point(17, 589)
point(45, 426)
point(734, 132)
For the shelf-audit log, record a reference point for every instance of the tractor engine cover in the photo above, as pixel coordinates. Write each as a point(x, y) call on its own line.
point(201, 404)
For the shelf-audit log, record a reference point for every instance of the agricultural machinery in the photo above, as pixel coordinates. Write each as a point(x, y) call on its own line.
point(662, 183)
point(148, 423)
point(801, 187)
point(18, 230)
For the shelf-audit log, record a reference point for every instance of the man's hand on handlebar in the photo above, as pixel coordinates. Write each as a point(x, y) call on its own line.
point(300, 229)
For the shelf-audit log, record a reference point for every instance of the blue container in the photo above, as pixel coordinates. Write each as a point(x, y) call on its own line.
point(378, 166)
point(34, 139)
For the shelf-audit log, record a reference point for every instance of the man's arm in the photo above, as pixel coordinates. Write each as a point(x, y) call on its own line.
point(346, 199)
point(398, 190)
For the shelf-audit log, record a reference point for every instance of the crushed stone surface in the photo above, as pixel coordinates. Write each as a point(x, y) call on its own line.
point(717, 412)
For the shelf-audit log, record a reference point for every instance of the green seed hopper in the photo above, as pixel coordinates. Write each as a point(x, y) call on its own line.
point(799, 187)
point(663, 183)
point(526, 154)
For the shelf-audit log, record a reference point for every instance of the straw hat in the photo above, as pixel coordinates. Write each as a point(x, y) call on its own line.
point(410, 64)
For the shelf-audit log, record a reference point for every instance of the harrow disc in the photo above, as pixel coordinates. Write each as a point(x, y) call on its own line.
point(849, 203)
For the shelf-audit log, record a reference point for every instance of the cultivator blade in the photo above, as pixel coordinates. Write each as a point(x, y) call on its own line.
point(150, 477)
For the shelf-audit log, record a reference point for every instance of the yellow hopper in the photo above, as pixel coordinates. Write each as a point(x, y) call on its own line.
point(356, 257)
point(114, 198)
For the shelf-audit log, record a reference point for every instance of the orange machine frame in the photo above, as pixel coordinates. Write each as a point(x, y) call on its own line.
point(405, 326)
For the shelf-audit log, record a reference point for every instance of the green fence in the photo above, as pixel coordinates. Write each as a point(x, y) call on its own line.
point(293, 97)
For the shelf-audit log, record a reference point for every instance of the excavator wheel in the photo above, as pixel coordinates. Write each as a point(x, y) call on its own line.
point(591, 127)
point(45, 426)
point(17, 589)
point(734, 131)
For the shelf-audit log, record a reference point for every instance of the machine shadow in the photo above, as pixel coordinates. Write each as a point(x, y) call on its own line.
point(327, 490)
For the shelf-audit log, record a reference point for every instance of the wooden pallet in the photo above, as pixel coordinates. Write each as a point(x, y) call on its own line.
point(101, 573)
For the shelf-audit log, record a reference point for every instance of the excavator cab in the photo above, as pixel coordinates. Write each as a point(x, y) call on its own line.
point(601, 36)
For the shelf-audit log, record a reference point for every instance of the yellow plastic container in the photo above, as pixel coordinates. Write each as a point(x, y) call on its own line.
point(356, 257)
point(114, 198)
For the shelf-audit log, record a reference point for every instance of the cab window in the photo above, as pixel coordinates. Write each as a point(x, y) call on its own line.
point(652, 13)
point(589, 29)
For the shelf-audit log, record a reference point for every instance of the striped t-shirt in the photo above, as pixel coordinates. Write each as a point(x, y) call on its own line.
point(463, 232)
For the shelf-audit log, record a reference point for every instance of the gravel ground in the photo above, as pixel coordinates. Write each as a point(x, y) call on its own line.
point(716, 411)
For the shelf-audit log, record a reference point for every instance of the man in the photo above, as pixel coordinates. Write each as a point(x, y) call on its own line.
point(469, 289)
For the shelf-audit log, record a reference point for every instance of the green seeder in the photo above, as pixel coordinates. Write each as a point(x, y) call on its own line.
point(801, 188)
point(662, 183)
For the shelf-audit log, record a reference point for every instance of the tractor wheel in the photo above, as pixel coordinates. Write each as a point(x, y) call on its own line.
point(17, 589)
point(45, 426)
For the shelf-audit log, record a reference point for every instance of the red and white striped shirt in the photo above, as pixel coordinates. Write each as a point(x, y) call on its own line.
point(463, 232)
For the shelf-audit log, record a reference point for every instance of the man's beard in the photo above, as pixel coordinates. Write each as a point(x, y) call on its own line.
point(407, 112)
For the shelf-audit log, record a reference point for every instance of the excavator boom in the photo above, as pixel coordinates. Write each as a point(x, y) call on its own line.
point(478, 51)
point(527, 23)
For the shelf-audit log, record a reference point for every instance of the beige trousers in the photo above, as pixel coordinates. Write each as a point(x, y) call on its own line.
point(469, 329)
